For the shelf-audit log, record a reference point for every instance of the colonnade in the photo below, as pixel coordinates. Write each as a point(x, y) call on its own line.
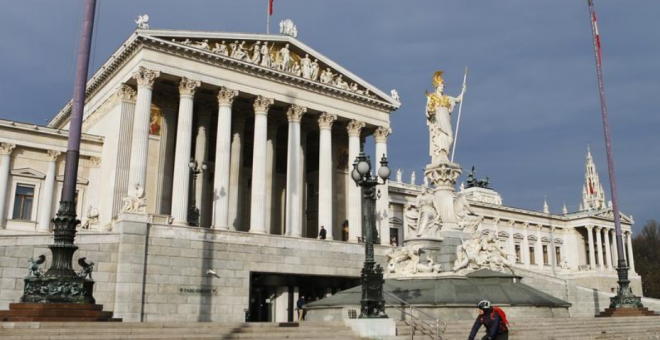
point(607, 259)
point(228, 159)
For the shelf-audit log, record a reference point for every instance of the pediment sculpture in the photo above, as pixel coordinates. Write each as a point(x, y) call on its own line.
point(136, 201)
point(279, 57)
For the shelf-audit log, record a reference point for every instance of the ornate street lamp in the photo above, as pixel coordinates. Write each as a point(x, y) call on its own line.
point(372, 303)
point(193, 212)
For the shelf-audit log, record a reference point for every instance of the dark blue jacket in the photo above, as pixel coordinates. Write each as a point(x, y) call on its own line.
point(300, 303)
point(492, 324)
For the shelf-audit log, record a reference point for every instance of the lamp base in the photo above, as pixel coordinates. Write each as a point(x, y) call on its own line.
point(60, 312)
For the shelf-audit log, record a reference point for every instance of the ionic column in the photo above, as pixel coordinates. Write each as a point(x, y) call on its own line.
point(615, 253)
point(608, 248)
point(525, 246)
point(46, 201)
point(354, 192)
point(294, 190)
point(258, 199)
point(383, 203)
point(631, 258)
point(599, 244)
point(223, 159)
point(140, 142)
point(303, 183)
point(201, 156)
point(5, 158)
point(235, 174)
point(592, 256)
point(539, 248)
point(271, 176)
point(325, 173)
point(122, 171)
point(181, 178)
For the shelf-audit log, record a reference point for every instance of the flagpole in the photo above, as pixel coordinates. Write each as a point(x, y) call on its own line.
point(268, 16)
point(458, 122)
point(624, 297)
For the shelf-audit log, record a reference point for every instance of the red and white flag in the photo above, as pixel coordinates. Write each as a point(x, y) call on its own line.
point(270, 7)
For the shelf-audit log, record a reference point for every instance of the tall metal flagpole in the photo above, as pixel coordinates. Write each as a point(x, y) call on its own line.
point(458, 122)
point(624, 297)
point(268, 16)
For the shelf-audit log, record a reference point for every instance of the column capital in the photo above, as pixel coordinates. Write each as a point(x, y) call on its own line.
point(326, 120)
point(146, 77)
point(96, 161)
point(125, 92)
point(295, 113)
point(598, 228)
point(589, 227)
point(187, 87)
point(226, 96)
point(381, 134)
point(354, 127)
point(53, 154)
point(6, 148)
point(262, 104)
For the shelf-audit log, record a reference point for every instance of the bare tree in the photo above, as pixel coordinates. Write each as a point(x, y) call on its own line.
point(647, 258)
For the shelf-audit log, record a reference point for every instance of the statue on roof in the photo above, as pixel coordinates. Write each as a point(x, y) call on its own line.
point(142, 21)
point(284, 62)
point(306, 66)
point(473, 182)
point(326, 76)
point(288, 28)
point(221, 49)
point(204, 44)
point(439, 107)
point(314, 70)
point(395, 96)
point(266, 59)
point(256, 53)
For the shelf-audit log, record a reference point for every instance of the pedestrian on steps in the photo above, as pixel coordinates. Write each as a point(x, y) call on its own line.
point(494, 319)
point(300, 306)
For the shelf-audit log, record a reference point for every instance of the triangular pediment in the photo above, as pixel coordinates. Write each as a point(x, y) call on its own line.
point(608, 213)
point(79, 179)
point(240, 48)
point(28, 172)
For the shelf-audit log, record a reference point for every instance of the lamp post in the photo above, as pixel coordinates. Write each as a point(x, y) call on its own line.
point(193, 212)
point(372, 303)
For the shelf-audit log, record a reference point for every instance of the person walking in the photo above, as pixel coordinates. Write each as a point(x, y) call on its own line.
point(494, 319)
point(300, 306)
point(322, 233)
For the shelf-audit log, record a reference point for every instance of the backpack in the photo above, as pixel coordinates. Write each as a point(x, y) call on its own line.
point(504, 325)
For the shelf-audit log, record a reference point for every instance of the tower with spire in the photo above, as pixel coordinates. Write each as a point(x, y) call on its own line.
point(593, 195)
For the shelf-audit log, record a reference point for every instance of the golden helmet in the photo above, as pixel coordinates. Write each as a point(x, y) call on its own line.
point(437, 78)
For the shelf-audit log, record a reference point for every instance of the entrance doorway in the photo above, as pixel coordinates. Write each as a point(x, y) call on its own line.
point(273, 296)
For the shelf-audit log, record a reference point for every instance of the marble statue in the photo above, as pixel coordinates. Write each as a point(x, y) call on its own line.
point(412, 178)
point(399, 175)
point(142, 21)
point(266, 60)
point(340, 83)
point(465, 216)
point(256, 53)
point(482, 251)
point(356, 89)
point(314, 70)
point(187, 42)
point(428, 221)
point(241, 52)
point(221, 49)
point(288, 28)
point(92, 217)
point(136, 201)
point(326, 76)
point(426, 181)
point(306, 66)
point(295, 69)
point(405, 261)
point(285, 59)
point(439, 107)
point(204, 44)
point(395, 95)
point(234, 47)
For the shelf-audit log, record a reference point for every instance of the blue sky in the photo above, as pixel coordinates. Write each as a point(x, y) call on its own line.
point(532, 104)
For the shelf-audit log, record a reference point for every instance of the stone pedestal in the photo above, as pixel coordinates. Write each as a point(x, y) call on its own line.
point(133, 237)
point(61, 312)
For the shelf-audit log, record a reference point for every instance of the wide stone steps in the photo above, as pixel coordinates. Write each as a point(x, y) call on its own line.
point(629, 328)
point(174, 331)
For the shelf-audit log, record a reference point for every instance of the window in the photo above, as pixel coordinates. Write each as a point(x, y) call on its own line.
point(23, 202)
point(546, 258)
point(532, 256)
point(558, 254)
point(518, 257)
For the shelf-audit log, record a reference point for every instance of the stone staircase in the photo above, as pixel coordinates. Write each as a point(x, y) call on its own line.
point(624, 328)
point(174, 331)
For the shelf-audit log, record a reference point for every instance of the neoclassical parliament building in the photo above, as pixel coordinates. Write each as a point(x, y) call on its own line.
point(209, 163)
